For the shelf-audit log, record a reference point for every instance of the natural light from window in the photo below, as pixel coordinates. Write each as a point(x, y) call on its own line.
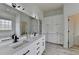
point(5, 24)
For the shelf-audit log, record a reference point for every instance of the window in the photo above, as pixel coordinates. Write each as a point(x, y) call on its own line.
point(5, 24)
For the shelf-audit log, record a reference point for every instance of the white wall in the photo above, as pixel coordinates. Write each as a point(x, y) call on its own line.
point(53, 27)
point(69, 10)
point(53, 12)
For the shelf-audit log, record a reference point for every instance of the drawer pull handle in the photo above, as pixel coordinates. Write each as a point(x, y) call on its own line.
point(26, 52)
point(38, 48)
point(38, 52)
point(38, 43)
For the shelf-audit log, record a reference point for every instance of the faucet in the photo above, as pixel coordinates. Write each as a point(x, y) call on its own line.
point(14, 36)
point(34, 33)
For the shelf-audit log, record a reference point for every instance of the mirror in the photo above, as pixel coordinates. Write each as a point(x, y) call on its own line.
point(5, 24)
point(35, 27)
point(23, 27)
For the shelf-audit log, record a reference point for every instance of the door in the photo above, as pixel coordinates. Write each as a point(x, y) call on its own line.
point(70, 31)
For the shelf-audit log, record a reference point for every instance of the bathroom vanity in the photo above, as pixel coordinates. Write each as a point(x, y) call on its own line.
point(22, 24)
point(30, 46)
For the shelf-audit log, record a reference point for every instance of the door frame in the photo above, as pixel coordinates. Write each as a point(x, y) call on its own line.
point(68, 32)
point(70, 42)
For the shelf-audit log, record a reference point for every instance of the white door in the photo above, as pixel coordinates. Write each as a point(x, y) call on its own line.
point(70, 31)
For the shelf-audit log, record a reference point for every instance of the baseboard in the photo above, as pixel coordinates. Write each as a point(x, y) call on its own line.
point(54, 43)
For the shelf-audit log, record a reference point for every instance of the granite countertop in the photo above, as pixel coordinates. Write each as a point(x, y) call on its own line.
point(9, 50)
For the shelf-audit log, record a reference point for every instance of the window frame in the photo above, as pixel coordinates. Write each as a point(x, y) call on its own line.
point(8, 28)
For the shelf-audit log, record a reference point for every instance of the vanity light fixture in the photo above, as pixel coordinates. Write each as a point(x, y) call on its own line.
point(14, 5)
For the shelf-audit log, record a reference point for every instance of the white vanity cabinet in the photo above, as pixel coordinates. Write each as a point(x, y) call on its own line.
point(42, 45)
point(35, 48)
point(38, 46)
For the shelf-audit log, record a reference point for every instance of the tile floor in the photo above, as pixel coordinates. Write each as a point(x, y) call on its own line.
point(53, 49)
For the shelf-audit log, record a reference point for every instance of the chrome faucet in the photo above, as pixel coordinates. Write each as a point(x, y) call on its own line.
point(14, 36)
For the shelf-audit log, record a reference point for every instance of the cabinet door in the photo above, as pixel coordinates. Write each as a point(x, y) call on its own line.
point(35, 47)
point(38, 47)
point(42, 45)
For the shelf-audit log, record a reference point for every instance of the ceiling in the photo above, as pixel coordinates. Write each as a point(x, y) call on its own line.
point(45, 7)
